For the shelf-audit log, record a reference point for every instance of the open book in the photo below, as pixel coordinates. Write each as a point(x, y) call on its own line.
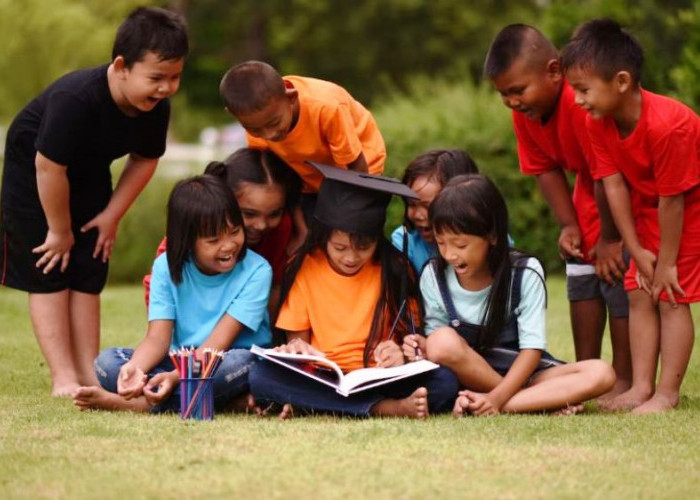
point(327, 372)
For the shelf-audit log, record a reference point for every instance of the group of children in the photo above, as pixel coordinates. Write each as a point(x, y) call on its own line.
point(282, 244)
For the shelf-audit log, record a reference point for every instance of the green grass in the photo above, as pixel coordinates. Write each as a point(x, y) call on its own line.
point(48, 449)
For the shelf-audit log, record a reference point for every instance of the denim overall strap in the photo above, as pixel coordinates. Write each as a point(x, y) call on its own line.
point(468, 331)
point(509, 335)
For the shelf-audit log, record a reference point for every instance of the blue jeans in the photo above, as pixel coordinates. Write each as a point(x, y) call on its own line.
point(270, 383)
point(230, 380)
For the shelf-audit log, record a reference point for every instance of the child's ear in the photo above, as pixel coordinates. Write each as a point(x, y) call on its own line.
point(119, 65)
point(623, 80)
point(554, 69)
point(292, 95)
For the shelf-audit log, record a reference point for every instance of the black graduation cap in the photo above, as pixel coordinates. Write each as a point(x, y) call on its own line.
point(356, 202)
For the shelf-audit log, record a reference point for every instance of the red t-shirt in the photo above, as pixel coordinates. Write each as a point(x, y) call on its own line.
point(562, 143)
point(273, 247)
point(661, 157)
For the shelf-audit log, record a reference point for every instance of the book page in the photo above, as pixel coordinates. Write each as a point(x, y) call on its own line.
point(360, 378)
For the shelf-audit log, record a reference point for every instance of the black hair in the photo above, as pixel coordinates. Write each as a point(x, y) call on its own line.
point(151, 29)
point(250, 86)
point(439, 164)
point(602, 46)
point(200, 206)
point(399, 283)
point(257, 166)
point(513, 42)
point(472, 204)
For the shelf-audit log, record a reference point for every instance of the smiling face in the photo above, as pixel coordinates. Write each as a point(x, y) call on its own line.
point(594, 94)
point(427, 188)
point(275, 120)
point(219, 254)
point(344, 257)
point(468, 255)
point(262, 207)
point(530, 88)
point(138, 89)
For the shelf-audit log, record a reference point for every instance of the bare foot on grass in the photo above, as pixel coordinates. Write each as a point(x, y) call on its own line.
point(96, 398)
point(64, 390)
point(287, 412)
point(569, 410)
point(626, 401)
point(413, 406)
point(461, 407)
point(620, 387)
point(657, 404)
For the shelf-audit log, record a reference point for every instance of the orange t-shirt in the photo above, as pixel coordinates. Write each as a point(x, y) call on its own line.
point(333, 128)
point(337, 309)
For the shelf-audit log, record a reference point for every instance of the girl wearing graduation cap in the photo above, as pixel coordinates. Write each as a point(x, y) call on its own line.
point(341, 295)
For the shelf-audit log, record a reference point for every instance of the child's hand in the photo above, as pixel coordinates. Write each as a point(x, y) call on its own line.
point(646, 262)
point(609, 264)
point(55, 249)
point(570, 242)
point(666, 278)
point(107, 233)
point(388, 353)
point(131, 381)
point(160, 387)
point(299, 346)
point(481, 404)
point(413, 347)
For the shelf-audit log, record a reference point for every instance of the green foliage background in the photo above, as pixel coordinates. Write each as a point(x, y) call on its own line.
point(416, 64)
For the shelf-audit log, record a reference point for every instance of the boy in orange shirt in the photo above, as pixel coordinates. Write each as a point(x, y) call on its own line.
point(303, 119)
point(647, 151)
point(523, 66)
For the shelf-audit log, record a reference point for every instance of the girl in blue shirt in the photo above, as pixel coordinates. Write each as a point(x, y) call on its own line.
point(485, 312)
point(427, 174)
point(207, 291)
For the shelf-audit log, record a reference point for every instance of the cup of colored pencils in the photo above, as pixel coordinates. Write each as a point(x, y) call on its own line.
point(196, 381)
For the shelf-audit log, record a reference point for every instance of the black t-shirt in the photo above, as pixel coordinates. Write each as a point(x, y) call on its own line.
point(76, 123)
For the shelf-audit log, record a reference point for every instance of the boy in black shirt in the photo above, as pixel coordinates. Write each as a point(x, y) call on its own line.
point(59, 214)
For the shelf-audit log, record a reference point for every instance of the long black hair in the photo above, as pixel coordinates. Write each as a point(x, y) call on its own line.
point(399, 283)
point(261, 167)
point(200, 206)
point(472, 204)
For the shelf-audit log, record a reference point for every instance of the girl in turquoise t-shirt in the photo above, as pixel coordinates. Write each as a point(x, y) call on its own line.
point(485, 312)
point(207, 291)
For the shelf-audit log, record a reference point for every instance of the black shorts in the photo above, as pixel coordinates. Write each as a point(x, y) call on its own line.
point(20, 234)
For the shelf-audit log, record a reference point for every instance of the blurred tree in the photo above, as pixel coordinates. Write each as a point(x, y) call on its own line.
point(686, 75)
point(44, 39)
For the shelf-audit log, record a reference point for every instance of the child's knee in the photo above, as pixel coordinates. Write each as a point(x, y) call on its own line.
point(601, 374)
point(107, 365)
point(445, 346)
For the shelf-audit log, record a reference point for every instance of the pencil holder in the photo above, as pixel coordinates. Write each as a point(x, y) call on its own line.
point(196, 398)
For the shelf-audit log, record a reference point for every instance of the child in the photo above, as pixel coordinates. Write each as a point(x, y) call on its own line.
point(485, 312)
point(523, 66)
point(207, 290)
point(59, 215)
point(265, 190)
point(303, 119)
point(426, 175)
point(340, 295)
point(652, 144)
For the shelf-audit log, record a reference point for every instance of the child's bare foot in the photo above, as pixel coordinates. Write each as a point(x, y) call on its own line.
point(245, 403)
point(461, 407)
point(287, 412)
point(628, 400)
point(569, 410)
point(413, 406)
point(620, 387)
point(96, 398)
point(64, 390)
point(657, 404)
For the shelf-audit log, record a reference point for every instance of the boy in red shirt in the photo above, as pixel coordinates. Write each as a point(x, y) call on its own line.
point(303, 119)
point(523, 66)
point(647, 150)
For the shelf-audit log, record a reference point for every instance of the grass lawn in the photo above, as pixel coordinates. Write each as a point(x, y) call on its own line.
point(48, 449)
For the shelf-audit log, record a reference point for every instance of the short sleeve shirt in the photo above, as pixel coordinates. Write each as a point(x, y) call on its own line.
point(76, 123)
point(419, 250)
point(333, 128)
point(661, 157)
point(471, 305)
point(198, 303)
point(562, 142)
point(337, 309)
